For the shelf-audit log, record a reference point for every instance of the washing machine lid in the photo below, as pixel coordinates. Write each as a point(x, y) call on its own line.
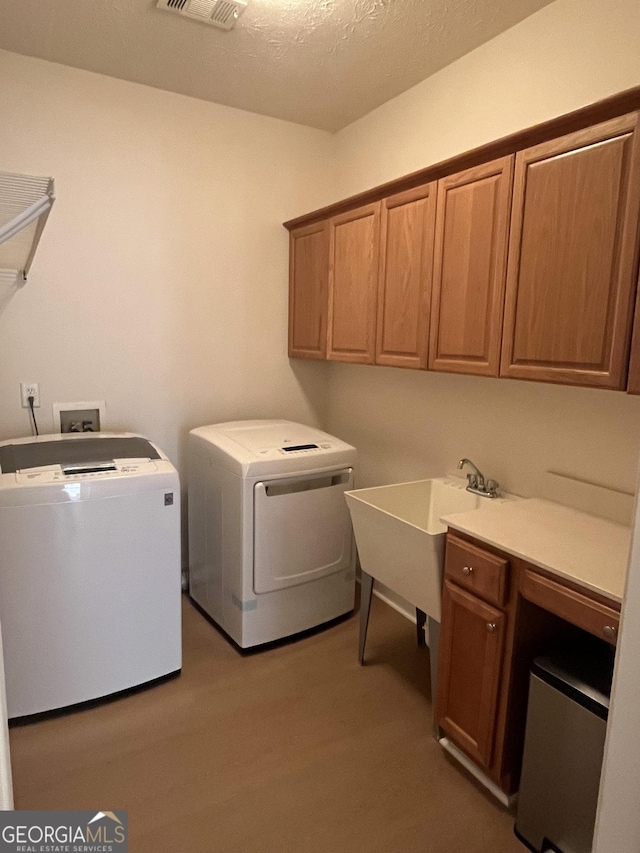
point(82, 450)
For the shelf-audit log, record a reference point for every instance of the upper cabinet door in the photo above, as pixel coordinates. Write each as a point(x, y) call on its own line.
point(573, 257)
point(472, 230)
point(633, 384)
point(404, 290)
point(308, 280)
point(354, 244)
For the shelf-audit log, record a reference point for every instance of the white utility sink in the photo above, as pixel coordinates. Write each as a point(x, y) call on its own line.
point(400, 537)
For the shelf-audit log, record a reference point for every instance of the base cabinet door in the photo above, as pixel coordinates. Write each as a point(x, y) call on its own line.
point(470, 665)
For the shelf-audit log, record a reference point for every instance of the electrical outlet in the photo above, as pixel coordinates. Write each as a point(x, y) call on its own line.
point(30, 389)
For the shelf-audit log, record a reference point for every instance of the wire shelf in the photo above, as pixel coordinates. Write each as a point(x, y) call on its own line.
point(25, 202)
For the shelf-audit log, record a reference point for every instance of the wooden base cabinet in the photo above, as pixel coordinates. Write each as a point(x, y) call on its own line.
point(498, 613)
point(471, 658)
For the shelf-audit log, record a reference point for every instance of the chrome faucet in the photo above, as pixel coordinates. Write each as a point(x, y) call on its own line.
point(476, 482)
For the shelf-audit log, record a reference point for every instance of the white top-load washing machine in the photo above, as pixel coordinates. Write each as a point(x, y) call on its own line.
point(270, 541)
point(90, 574)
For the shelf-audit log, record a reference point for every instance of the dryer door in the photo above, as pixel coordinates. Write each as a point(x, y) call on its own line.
point(302, 529)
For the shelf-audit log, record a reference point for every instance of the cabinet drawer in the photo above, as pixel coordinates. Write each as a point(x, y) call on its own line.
point(569, 604)
point(476, 570)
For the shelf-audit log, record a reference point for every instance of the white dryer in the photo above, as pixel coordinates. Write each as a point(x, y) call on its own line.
point(90, 575)
point(270, 540)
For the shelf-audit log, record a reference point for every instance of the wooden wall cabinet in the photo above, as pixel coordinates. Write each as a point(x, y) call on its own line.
point(573, 257)
point(308, 282)
point(379, 281)
point(523, 264)
point(404, 291)
point(470, 263)
point(354, 244)
point(633, 381)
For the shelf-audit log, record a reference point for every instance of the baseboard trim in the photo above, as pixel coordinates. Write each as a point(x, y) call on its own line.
point(394, 604)
point(408, 614)
point(505, 799)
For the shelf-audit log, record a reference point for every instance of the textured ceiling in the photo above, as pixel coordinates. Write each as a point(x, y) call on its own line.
point(323, 63)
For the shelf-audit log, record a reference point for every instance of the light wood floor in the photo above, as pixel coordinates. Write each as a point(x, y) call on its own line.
point(294, 750)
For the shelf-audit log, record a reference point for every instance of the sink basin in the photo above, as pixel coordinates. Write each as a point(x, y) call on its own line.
point(400, 537)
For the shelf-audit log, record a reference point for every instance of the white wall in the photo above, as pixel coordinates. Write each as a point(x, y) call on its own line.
point(160, 282)
point(409, 424)
point(569, 54)
point(618, 824)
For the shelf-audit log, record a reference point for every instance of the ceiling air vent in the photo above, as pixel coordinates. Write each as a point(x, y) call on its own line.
point(218, 13)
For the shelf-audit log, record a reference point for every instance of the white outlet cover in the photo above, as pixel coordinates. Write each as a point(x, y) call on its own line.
point(34, 388)
point(77, 407)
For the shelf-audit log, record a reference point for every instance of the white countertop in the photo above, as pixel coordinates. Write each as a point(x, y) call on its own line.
point(582, 548)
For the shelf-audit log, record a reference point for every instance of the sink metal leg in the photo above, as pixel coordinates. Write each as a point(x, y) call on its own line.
point(421, 621)
point(366, 591)
point(434, 646)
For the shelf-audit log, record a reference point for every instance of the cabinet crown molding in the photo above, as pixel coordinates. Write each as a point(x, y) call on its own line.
point(611, 107)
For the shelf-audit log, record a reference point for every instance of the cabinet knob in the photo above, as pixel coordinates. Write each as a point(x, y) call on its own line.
point(609, 632)
point(491, 627)
point(467, 570)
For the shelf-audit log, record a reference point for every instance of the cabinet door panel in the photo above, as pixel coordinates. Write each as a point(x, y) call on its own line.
point(308, 280)
point(471, 652)
point(472, 228)
point(633, 383)
point(353, 284)
point(573, 257)
point(404, 292)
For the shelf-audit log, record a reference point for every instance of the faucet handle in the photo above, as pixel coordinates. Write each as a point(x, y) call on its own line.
point(492, 487)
